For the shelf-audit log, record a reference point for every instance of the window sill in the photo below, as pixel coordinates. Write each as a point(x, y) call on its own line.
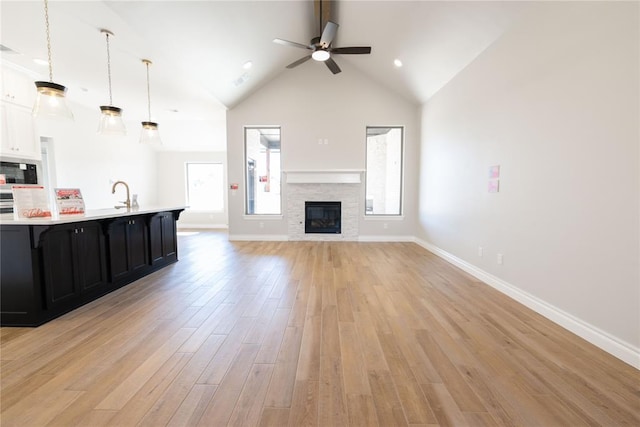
point(384, 217)
point(264, 217)
point(205, 211)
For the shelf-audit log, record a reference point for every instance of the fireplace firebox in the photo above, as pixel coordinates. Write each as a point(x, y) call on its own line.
point(322, 217)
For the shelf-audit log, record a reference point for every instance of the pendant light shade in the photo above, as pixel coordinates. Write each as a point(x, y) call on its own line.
point(111, 122)
point(50, 100)
point(150, 133)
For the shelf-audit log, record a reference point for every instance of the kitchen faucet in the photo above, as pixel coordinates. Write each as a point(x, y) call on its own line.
point(127, 203)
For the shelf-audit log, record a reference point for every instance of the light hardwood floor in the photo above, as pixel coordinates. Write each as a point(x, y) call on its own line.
point(301, 333)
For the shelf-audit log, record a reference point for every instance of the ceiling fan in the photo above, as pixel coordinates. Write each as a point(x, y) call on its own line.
point(321, 49)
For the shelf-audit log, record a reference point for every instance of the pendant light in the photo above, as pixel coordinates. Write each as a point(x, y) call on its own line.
point(50, 100)
point(111, 122)
point(149, 134)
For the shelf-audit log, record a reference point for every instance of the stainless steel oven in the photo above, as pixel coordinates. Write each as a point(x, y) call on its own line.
point(6, 201)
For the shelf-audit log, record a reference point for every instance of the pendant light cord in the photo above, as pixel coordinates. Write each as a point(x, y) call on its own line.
point(148, 91)
point(109, 70)
point(46, 20)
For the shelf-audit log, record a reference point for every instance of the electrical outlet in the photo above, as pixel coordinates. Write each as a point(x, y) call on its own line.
point(385, 225)
point(261, 224)
point(500, 260)
point(480, 251)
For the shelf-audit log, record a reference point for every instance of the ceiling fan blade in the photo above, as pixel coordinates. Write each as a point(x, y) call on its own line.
point(352, 50)
point(331, 64)
point(328, 34)
point(293, 44)
point(299, 61)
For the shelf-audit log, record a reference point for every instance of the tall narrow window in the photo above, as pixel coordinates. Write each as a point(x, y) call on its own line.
point(262, 170)
point(205, 186)
point(384, 171)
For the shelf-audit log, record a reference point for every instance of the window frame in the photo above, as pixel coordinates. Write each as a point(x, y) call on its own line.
point(187, 186)
point(400, 214)
point(246, 214)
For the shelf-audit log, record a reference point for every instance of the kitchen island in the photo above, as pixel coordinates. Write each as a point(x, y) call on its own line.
point(51, 266)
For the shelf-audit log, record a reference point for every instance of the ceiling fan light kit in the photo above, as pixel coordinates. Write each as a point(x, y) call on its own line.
point(111, 122)
point(51, 97)
point(320, 55)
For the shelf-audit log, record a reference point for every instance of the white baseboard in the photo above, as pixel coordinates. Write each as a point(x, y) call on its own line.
point(258, 237)
point(386, 238)
point(612, 345)
point(202, 226)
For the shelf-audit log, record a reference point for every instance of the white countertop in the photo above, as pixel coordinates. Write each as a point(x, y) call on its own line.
point(89, 215)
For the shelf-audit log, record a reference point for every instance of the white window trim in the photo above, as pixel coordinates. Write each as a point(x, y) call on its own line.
point(246, 215)
point(392, 217)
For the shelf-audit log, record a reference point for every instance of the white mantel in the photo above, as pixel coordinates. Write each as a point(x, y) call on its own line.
point(331, 176)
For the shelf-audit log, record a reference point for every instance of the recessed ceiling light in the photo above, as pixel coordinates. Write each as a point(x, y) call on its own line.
point(41, 62)
point(247, 65)
point(397, 63)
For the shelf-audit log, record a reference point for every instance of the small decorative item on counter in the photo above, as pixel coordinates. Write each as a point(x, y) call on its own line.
point(134, 202)
point(30, 201)
point(69, 201)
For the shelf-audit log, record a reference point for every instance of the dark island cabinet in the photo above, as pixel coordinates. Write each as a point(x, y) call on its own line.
point(127, 241)
point(47, 270)
point(73, 258)
point(20, 293)
point(163, 244)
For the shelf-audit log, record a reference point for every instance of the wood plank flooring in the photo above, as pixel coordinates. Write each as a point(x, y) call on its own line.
point(308, 334)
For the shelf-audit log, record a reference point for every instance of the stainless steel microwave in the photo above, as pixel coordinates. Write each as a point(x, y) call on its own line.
point(18, 173)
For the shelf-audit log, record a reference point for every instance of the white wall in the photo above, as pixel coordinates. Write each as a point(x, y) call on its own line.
point(172, 186)
point(310, 103)
point(554, 102)
point(86, 160)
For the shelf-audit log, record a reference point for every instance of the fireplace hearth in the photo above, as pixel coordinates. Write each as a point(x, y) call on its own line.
point(323, 217)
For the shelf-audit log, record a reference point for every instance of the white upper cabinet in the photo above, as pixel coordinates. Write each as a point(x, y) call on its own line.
point(17, 88)
point(19, 137)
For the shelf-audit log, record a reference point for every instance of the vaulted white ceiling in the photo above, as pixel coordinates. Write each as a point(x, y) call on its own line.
point(198, 48)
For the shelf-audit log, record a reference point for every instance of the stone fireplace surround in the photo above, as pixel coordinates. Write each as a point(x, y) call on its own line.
point(323, 186)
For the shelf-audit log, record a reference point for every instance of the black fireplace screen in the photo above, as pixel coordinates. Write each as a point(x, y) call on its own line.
point(322, 217)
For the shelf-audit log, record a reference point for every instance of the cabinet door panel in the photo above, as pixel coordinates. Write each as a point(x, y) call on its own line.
point(18, 135)
point(17, 88)
point(137, 244)
point(59, 265)
point(118, 251)
point(18, 291)
point(91, 257)
point(6, 142)
point(155, 239)
point(168, 235)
